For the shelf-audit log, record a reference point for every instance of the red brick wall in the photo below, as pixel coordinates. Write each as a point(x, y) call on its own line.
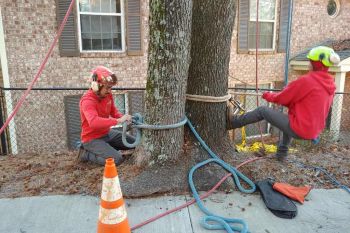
point(311, 24)
point(29, 28)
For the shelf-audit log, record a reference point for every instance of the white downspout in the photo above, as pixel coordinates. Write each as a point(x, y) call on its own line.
point(6, 80)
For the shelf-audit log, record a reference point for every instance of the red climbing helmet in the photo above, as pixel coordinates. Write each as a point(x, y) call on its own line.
point(102, 76)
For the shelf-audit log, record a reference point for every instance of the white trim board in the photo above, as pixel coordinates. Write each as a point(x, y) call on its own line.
point(6, 80)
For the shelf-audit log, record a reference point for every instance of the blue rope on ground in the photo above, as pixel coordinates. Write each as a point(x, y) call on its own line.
point(223, 223)
point(330, 177)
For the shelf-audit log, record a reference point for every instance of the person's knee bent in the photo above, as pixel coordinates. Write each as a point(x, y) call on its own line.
point(263, 109)
point(101, 160)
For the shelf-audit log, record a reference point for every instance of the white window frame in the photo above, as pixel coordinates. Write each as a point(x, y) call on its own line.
point(122, 22)
point(274, 29)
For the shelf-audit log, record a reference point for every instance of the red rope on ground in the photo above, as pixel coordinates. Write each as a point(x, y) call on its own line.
point(205, 195)
point(41, 68)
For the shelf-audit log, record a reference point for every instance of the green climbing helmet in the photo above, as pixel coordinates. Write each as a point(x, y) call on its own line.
point(324, 54)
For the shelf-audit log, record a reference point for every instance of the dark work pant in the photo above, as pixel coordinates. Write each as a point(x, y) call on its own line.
point(274, 117)
point(108, 146)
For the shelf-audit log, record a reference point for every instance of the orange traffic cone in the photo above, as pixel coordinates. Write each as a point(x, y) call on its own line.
point(112, 216)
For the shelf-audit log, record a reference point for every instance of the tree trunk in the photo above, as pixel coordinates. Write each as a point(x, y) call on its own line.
point(212, 25)
point(168, 63)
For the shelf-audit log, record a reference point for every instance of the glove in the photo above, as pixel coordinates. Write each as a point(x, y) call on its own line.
point(124, 118)
point(267, 96)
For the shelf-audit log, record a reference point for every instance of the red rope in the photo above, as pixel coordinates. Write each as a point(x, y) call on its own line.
point(205, 195)
point(257, 38)
point(41, 68)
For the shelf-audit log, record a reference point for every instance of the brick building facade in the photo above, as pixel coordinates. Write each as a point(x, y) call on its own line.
point(29, 27)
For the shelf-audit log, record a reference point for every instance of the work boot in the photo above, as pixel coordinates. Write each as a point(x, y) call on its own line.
point(82, 154)
point(232, 109)
point(282, 153)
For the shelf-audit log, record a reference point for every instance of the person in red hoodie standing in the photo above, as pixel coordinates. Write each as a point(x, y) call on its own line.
point(98, 114)
point(308, 100)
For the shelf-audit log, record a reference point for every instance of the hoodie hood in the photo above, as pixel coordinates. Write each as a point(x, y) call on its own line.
point(325, 79)
point(90, 94)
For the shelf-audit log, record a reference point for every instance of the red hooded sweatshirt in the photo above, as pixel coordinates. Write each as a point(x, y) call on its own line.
point(97, 115)
point(308, 100)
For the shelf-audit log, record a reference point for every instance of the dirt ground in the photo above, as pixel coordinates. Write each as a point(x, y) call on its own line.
point(60, 173)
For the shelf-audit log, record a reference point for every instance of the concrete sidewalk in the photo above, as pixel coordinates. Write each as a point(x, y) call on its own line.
point(325, 211)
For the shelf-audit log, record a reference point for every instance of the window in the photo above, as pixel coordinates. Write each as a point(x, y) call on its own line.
point(333, 8)
point(101, 25)
point(267, 16)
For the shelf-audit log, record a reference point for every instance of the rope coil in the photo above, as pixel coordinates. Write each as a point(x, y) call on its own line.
point(222, 223)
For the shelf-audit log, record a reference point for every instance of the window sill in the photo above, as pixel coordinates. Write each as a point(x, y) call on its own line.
point(267, 52)
point(102, 54)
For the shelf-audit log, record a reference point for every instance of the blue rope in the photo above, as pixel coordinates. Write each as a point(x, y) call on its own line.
point(137, 123)
point(223, 223)
point(330, 177)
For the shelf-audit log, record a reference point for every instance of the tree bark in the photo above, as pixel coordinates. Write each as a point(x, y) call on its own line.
point(168, 63)
point(169, 59)
point(212, 25)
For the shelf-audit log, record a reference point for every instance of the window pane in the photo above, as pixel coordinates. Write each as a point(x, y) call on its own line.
point(265, 35)
point(101, 32)
point(115, 6)
point(266, 10)
point(96, 41)
point(116, 24)
point(117, 41)
point(95, 23)
point(86, 44)
point(85, 23)
point(96, 5)
point(116, 3)
point(106, 6)
point(86, 41)
point(106, 23)
point(107, 41)
point(84, 5)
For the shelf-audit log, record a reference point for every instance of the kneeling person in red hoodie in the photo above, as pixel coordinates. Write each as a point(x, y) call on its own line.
point(308, 100)
point(98, 114)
